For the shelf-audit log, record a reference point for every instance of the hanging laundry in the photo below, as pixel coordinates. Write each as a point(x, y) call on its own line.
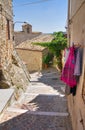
point(68, 71)
point(73, 90)
point(66, 54)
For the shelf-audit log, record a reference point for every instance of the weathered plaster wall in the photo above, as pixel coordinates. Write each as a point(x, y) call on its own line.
point(77, 35)
point(74, 6)
point(32, 58)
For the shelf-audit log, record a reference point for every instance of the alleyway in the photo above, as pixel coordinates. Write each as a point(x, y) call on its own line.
point(42, 107)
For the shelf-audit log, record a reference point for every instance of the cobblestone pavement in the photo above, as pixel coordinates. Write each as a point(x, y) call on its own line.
point(42, 107)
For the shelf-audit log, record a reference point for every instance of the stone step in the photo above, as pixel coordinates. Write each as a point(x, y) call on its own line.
point(43, 102)
point(5, 98)
point(21, 120)
point(59, 114)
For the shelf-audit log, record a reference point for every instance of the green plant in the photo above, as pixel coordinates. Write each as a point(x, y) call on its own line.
point(56, 46)
point(46, 59)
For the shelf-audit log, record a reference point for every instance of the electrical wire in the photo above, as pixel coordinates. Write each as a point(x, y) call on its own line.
point(31, 3)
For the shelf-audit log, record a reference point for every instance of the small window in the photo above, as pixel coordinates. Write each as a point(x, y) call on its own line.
point(8, 29)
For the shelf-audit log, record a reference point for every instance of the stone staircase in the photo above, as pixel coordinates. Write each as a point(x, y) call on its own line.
point(47, 115)
point(42, 107)
point(6, 99)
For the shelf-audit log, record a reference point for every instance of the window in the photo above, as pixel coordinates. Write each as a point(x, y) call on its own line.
point(8, 29)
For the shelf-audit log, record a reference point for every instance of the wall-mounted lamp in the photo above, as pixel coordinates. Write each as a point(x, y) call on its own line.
point(18, 22)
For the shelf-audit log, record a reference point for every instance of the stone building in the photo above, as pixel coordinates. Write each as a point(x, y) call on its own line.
point(76, 34)
point(25, 34)
point(12, 72)
point(32, 55)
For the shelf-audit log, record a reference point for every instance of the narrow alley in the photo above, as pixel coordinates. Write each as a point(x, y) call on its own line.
point(42, 107)
point(33, 36)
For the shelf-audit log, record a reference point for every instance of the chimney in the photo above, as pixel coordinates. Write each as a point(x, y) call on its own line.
point(27, 28)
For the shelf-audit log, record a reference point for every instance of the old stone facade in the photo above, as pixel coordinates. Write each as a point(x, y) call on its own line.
point(6, 32)
point(76, 34)
point(12, 71)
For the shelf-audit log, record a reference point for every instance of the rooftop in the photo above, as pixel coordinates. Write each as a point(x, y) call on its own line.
point(41, 38)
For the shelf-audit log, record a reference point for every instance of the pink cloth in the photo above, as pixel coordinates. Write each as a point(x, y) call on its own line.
point(68, 71)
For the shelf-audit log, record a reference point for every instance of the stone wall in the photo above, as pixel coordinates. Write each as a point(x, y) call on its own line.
point(12, 71)
point(32, 58)
point(76, 29)
point(6, 44)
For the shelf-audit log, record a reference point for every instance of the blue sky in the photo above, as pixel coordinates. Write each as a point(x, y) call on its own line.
point(46, 16)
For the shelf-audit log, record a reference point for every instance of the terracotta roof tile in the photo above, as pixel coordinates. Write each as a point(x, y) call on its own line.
point(41, 38)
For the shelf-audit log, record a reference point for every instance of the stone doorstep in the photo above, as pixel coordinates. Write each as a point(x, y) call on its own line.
point(59, 114)
point(5, 98)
